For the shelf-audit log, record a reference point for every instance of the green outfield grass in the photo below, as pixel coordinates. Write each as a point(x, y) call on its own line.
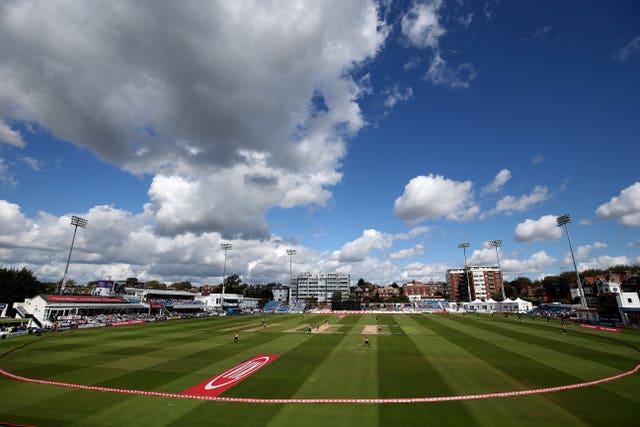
point(410, 356)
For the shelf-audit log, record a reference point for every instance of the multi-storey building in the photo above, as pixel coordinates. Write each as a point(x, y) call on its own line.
point(484, 283)
point(416, 290)
point(388, 292)
point(319, 287)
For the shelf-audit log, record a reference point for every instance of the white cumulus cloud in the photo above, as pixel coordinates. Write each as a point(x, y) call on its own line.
point(605, 261)
point(10, 136)
point(405, 253)
point(625, 207)
point(359, 249)
point(414, 232)
point(498, 182)
point(536, 263)
point(510, 204)
point(433, 197)
point(186, 91)
point(513, 267)
point(543, 229)
point(424, 272)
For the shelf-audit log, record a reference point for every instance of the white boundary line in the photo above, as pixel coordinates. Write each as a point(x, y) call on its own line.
point(313, 401)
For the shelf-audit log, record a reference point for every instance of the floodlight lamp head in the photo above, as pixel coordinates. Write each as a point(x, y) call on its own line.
point(291, 252)
point(564, 219)
point(226, 246)
point(78, 222)
point(495, 243)
point(464, 245)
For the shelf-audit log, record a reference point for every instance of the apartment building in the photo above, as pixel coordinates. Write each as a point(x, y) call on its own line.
point(483, 283)
point(319, 287)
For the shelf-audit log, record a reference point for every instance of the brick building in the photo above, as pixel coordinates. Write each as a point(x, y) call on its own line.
point(416, 290)
point(484, 283)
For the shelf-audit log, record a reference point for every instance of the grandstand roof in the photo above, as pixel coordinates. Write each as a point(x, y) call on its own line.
point(81, 299)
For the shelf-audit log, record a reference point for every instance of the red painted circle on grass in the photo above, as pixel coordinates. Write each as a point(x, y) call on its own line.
point(230, 377)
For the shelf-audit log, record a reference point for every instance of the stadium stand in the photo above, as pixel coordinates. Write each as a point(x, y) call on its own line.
point(554, 311)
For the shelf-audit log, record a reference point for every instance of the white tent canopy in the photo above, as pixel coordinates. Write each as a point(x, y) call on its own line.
point(523, 306)
point(517, 305)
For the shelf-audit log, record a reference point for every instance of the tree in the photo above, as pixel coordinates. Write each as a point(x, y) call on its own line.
point(233, 285)
point(16, 286)
point(266, 295)
point(336, 297)
point(624, 269)
point(518, 287)
point(154, 284)
point(69, 282)
point(182, 286)
point(49, 288)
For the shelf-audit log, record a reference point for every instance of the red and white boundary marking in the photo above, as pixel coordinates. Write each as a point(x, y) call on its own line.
point(312, 401)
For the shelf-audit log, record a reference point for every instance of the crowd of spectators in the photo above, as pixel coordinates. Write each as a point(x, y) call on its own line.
point(16, 328)
point(553, 311)
point(108, 319)
point(171, 301)
point(101, 319)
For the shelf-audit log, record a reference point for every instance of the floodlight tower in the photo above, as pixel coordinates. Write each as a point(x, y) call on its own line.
point(496, 244)
point(291, 253)
point(225, 247)
point(464, 247)
point(564, 220)
point(76, 221)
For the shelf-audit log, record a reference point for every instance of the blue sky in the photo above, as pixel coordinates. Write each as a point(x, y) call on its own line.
point(372, 137)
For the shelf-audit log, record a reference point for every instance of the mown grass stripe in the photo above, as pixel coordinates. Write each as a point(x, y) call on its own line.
point(533, 373)
point(285, 375)
point(465, 373)
point(238, 414)
point(67, 408)
point(335, 377)
point(453, 361)
point(432, 376)
point(599, 408)
point(527, 370)
point(404, 371)
point(576, 361)
point(553, 339)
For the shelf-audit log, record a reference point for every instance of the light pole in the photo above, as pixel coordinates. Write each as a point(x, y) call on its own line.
point(496, 244)
point(291, 253)
point(464, 247)
point(564, 220)
point(225, 247)
point(76, 221)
